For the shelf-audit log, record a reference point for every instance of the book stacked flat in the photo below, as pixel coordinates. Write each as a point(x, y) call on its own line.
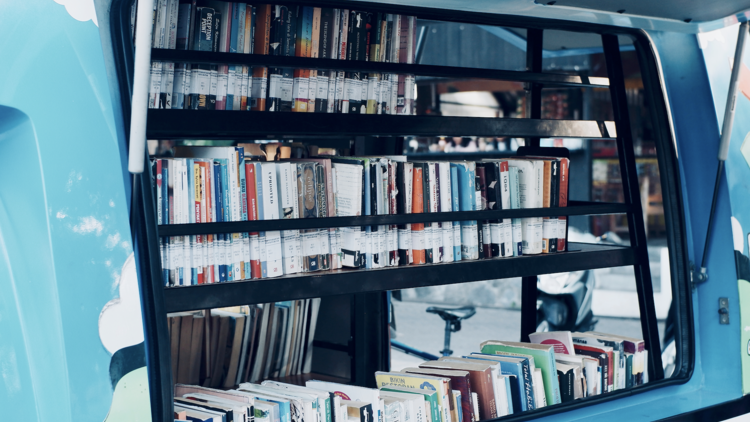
point(228, 184)
point(504, 378)
point(281, 30)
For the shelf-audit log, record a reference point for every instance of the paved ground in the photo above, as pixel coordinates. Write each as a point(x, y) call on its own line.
point(425, 331)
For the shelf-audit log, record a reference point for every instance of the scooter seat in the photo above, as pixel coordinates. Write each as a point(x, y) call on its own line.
point(453, 314)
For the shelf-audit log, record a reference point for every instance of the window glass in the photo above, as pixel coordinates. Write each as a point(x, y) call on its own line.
point(610, 302)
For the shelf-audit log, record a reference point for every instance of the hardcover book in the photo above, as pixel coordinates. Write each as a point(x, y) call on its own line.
point(543, 359)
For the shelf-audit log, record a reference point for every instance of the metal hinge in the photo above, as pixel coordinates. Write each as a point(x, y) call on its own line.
point(723, 311)
point(697, 277)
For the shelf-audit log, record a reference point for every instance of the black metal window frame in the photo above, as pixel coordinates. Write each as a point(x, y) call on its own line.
point(145, 232)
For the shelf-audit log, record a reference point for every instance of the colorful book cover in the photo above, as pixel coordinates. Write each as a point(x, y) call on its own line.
point(303, 48)
point(423, 382)
point(544, 359)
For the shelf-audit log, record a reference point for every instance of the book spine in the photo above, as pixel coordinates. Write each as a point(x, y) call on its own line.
point(252, 215)
point(244, 237)
point(308, 206)
point(326, 27)
point(341, 99)
point(515, 203)
point(494, 195)
point(210, 216)
point(417, 229)
point(288, 44)
point(303, 48)
point(482, 204)
point(405, 177)
point(437, 235)
point(205, 196)
point(261, 43)
point(248, 40)
point(286, 207)
point(554, 194)
point(467, 202)
point(562, 224)
point(427, 193)
point(321, 186)
point(314, 53)
point(393, 257)
point(182, 33)
point(278, 16)
point(233, 25)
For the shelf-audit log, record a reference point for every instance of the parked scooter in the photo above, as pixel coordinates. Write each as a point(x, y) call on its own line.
point(564, 300)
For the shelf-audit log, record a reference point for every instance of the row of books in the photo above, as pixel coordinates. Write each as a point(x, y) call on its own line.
point(503, 378)
point(225, 184)
point(279, 30)
point(221, 348)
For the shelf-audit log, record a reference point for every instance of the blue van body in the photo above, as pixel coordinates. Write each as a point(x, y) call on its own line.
point(66, 257)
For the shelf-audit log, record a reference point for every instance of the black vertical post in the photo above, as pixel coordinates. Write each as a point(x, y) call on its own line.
point(534, 39)
point(630, 187)
point(371, 340)
point(359, 145)
point(148, 262)
point(534, 49)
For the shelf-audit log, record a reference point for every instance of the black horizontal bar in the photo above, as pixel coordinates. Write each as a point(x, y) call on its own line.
point(340, 282)
point(207, 57)
point(223, 124)
point(576, 208)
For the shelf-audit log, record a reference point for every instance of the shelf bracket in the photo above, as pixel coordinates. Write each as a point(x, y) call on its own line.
point(697, 276)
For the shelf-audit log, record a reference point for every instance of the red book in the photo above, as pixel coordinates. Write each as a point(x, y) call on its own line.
point(252, 215)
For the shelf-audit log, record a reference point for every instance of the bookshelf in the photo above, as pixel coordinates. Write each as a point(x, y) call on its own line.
point(366, 287)
point(580, 256)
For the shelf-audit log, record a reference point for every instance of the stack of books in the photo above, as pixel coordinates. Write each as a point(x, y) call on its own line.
point(279, 30)
point(503, 378)
point(230, 184)
point(221, 348)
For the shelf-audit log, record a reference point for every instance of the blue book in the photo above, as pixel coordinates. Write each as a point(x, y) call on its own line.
point(456, 207)
point(219, 238)
point(467, 202)
point(234, 7)
point(519, 367)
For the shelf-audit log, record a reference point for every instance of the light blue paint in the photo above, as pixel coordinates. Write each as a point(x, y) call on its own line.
point(718, 55)
point(530, 8)
point(64, 226)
